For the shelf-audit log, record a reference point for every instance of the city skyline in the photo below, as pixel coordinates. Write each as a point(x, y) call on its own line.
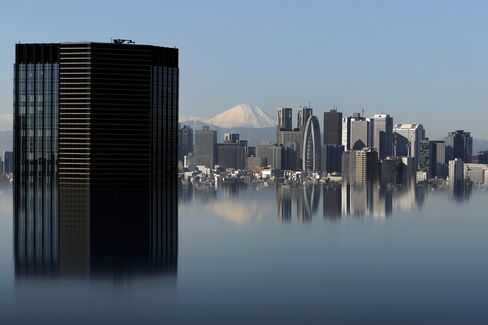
point(417, 61)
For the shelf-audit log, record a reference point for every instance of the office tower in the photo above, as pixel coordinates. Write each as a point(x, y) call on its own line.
point(94, 144)
point(304, 114)
point(425, 148)
point(272, 155)
point(205, 151)
point(264, 151)
point(360, 166)
point(475, 172)
point(438, 159)
point(456, 171)
point(231, 138)
point(381, 126)
point(285, 119)
point(185, 142)
point(333, 127)
point(482, 157)
point(275, 159)
point(459, 145)
point(360, 136)
point(330, 158)
point(311, 145)
point(332, 148)
point(8, 162)
point(231, 155)
point(291, 139)
point(346, 133)
point(291, 160)
point(406, 140)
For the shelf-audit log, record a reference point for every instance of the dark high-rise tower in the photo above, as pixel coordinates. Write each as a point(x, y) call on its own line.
point(95, 145)
point(285, 119)
point(333, 127)
point(332, 148)
point(459, 145)
point(206, 147)
point(185, 142)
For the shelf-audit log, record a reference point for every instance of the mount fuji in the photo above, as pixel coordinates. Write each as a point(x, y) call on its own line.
point(250, 121)
point(243, 116)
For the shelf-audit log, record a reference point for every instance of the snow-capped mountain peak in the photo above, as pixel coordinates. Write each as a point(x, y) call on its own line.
point(243, 116)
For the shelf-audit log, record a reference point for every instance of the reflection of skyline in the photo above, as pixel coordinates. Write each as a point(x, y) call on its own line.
point(345, 200)
point(237, 203)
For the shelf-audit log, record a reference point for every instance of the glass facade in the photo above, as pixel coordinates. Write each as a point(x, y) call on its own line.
point(36, 107)
point(311, 145)
point(164, 145)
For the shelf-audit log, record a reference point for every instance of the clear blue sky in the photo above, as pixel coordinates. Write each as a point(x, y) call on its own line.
point(420, 61)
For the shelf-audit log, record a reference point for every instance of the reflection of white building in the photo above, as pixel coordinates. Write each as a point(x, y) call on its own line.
point(405, 199)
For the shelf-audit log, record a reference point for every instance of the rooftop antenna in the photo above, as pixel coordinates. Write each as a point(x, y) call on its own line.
point(122, 41)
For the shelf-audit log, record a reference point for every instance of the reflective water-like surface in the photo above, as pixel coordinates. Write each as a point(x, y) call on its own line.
point(273, 254)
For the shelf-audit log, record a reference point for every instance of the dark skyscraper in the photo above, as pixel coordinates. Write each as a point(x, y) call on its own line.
point(8, 162)
point(382, 134)
point(425, 156)
point(333, 127)
point(285, 119)
point(459, 145)
point(332, 148)
point(206, 147)
point(95, 142)
point(185, 142)
point(231, 155)
point(483, 157)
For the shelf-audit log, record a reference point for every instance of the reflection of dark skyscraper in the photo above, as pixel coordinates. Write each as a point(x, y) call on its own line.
point(332, 198)
point(95, 142)
point(283, 199)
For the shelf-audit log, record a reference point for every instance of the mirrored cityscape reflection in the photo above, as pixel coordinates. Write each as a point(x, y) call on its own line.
point(303, 203)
